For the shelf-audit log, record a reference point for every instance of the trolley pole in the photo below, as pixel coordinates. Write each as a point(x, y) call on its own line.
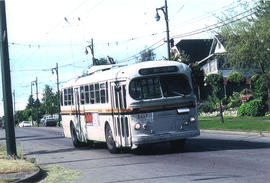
point(6, 84)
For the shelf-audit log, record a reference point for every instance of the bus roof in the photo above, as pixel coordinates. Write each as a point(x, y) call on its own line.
point(110, 72)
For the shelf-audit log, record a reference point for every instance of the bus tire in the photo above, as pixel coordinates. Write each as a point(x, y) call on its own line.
point(76, 142)
point(178, 145)
point(109, 140)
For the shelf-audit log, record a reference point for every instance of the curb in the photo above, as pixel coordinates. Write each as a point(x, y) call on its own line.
point(32, 177)
point(261, 134)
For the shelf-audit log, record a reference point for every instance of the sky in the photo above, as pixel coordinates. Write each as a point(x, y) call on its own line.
point(42, 33)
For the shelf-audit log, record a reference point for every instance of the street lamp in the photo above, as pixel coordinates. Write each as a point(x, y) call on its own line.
point(164, 9)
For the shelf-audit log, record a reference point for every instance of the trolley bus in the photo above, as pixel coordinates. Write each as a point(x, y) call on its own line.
point(128, 106)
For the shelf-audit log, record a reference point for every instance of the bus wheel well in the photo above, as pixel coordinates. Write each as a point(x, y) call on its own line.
point(105, 124)
point(111, 145)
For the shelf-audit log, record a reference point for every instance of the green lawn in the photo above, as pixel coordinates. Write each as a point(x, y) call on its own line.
point(236, 124)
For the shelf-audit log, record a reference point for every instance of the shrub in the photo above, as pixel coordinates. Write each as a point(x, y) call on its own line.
point(207, 107)
point(216, 83)
point(259, 85)
point(242, 110)
point(236, 78)
point(225, 101)
point(254, 107)
point(235, 100)
point(246, 95)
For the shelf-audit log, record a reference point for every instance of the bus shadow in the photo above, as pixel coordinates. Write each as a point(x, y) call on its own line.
point(200, 145)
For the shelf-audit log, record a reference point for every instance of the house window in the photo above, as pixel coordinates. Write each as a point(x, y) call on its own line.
point(213, 66)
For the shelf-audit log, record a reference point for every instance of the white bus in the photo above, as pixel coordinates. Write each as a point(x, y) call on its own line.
point(127, 106)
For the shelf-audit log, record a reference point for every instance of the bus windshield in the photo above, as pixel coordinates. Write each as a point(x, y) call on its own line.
point(158, 86)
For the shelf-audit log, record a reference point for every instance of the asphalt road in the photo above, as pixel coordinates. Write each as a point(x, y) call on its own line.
point(211, 158)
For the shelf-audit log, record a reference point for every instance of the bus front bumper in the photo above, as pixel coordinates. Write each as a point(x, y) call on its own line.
point(164, 137)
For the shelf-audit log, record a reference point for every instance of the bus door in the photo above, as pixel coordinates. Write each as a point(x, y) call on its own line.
point(121, 123)
point(79, 124)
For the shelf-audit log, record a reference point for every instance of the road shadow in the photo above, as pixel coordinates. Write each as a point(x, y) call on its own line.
point(200, 145)
point(193, 145)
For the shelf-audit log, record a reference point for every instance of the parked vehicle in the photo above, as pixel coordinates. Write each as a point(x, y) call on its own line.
point(49, 120)
point(25, 124)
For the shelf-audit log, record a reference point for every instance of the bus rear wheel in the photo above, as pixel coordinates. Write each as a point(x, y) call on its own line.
point(109, 140)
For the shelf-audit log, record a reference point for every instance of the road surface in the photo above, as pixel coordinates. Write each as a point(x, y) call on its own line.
point(211, 158)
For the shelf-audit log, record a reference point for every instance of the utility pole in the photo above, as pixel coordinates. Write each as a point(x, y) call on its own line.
point(36, 88)
point(92, 49)
point(14, 105)
point(91, 46)
point(6, 84)
point(164, 9)
point(32, 102)
point(58, 91)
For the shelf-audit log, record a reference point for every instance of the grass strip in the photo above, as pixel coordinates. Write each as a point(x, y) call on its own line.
point(10, 165)
point(59, 174)
point(248, 125)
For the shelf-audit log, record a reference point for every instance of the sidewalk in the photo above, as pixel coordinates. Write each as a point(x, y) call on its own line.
point(264, 134)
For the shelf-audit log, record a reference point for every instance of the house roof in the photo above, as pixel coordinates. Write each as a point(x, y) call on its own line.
point(197, 49)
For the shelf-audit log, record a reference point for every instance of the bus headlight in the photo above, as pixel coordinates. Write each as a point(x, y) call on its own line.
point(137, 126)
point(192, 119)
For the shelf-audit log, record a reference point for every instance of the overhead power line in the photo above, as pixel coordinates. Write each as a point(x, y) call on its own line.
point(216, 25)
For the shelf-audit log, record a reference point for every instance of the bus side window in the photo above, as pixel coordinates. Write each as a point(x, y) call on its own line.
point(102, 93)
point(82, 94)
point(92, 94)
point(107, 97)
point(86, 89)
point(97, 93)
point(70, 96)
point(65, 97)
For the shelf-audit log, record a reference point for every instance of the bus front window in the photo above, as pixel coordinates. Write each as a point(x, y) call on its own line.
point(175, 85)
point(151, 87)
point(145, 88)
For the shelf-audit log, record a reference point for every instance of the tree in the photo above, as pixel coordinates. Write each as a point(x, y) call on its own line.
point(216, 83)
point(147, 55)
point(197, 73)
point(30, 103)
point(248, 42)
point(50, 101)
point(236, 81)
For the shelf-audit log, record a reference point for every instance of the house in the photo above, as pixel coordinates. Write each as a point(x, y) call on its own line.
point(209, 53)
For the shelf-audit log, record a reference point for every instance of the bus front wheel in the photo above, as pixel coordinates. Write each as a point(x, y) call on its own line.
point(109, 140)
point(75, 140)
